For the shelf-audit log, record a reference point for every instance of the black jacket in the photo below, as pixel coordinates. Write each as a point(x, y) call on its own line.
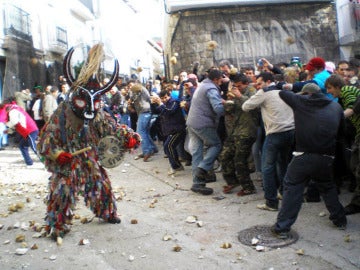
point(171, 117)
point(319, 122)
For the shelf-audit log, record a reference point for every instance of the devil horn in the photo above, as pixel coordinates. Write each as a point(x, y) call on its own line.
point(67, 67)
point(113, 79)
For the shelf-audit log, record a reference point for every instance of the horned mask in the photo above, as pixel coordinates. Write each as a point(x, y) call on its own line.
point(86, 91)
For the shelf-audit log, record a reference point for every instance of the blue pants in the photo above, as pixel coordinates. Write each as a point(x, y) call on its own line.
point(275, 156)
point(143, 128)
point(203, 140)
point(24, 145)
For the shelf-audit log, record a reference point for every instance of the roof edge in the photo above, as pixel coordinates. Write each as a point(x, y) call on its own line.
point(173, 6)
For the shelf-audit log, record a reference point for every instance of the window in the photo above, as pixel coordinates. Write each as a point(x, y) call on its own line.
point(16, 22)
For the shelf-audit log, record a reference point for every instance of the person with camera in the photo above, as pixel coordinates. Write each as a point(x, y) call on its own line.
point(264, 65)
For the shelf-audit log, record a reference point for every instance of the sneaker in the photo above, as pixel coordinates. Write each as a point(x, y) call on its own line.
point(139, 156)
point(146, 157)
point(202, 189)
point(245, 192)
point(264, 206)
point(340, 223)
point(280, 235)
point(173, 171)
point(341, 226)
point(228, 188)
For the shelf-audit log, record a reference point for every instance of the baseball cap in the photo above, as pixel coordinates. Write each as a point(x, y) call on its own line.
point(296, 61)
point(309, 88)
point(330, 66)
point(315, 63)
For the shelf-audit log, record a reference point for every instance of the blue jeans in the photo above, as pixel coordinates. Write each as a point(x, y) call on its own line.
point(143, 128)
point(205, 146)
point(24, 145)
point(307, 166)
point(275, 157)
point(125, 120)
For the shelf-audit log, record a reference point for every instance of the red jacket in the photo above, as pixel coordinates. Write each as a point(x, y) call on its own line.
point(24, 129)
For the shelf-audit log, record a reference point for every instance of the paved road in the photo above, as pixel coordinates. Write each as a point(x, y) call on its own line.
point(161, 205)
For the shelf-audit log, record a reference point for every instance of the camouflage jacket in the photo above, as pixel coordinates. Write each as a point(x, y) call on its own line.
point(239, 123)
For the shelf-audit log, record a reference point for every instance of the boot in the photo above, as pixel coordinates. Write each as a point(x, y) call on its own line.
point(202, 189)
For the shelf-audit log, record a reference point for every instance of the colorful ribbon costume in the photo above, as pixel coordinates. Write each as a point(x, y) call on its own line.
point(79, 122)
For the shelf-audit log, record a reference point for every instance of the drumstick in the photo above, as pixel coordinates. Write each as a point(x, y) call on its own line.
point(78, 152)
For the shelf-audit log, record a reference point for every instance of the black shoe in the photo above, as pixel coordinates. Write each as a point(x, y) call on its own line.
point(202, 189)
point(114, 220)
point(280, 235)
point(351, 209)
point(188, 163)
point(2, 148)
point(341, 223)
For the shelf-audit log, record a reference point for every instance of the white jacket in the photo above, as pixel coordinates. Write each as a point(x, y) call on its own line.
point(276, 114)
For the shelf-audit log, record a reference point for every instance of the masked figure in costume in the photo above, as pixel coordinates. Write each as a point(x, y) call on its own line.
point(80, 123)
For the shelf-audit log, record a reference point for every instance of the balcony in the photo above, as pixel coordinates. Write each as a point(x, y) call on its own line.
point(58, 44)
point(16, 23)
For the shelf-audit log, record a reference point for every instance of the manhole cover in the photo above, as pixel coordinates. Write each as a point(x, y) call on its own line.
point(265, 236)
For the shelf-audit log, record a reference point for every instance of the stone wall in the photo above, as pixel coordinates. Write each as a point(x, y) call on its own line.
point(244, 34)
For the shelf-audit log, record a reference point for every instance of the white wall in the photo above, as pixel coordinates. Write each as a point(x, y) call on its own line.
point(124, 32)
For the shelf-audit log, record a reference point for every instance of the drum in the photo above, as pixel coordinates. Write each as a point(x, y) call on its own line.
point(111, 152)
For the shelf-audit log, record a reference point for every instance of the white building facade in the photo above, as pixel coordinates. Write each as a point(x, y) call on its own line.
point(36, 34)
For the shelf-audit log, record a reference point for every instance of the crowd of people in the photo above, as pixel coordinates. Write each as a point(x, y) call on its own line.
point(292, 124)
